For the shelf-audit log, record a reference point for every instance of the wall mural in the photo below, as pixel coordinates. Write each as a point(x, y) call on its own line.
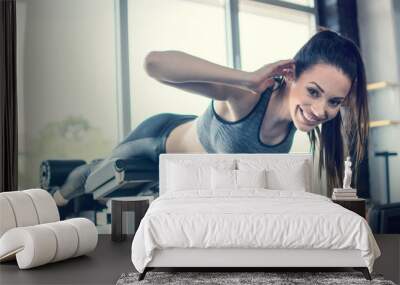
point(318, 95)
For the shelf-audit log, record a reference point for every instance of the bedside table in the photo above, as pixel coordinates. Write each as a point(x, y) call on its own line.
point(126, 214)
point(356, 205)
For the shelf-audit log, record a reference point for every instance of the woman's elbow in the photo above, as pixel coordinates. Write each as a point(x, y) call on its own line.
point(150, 62)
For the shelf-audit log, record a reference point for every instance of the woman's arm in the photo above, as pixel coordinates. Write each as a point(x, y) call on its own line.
point(193, 74)
point(214, 91)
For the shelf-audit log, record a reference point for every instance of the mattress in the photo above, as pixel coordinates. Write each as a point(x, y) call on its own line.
point(250, 218)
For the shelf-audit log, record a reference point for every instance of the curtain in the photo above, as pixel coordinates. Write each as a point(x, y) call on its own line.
point(8, 98)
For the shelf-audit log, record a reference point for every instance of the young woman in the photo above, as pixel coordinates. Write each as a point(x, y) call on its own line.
point(255, 112)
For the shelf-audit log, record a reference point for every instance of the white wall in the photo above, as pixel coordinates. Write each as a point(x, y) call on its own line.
point(66, 67)
point(380, 36)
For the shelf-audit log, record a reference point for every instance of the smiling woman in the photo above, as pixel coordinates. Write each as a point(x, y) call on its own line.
point(317, 104)
point(332, 91)
point(257, 112)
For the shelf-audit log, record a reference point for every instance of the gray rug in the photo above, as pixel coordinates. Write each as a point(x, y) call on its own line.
point(230, 278)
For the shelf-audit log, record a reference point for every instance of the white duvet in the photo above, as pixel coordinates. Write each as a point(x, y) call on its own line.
point(253, 218)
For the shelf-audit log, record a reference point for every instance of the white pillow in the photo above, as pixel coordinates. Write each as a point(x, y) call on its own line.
point(223, 179)
point(193, 174)
point(251, 178)
point(182, 178)
point(292, 179)
point(227, 179)
point(283, 173)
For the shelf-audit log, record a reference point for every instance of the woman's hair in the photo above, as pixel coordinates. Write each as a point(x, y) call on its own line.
point(347, 133)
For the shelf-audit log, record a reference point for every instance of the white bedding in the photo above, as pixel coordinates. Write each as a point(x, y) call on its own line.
point(251, 218)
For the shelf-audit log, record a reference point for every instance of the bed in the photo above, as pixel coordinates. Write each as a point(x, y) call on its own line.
point(247, 210)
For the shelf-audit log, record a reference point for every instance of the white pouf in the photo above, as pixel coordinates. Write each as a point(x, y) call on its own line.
point(31, 230)
point(23, 209)
point(40, 244)
point(45, 205)
point(7, 218)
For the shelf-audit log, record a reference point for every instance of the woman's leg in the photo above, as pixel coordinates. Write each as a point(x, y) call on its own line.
point(146, 141)
point(75, 182)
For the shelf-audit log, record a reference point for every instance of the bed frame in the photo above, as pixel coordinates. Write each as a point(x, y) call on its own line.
point(249, 257)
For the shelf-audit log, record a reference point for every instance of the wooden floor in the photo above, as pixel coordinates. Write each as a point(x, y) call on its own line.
point(111, 259)
point(389, 263)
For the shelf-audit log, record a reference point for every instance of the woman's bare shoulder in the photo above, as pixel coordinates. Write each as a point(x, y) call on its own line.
point(236, 107)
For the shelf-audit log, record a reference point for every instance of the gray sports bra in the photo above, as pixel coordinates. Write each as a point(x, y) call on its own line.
point(243, 136)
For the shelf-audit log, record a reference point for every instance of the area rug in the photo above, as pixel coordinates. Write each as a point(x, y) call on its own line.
point(243, 278)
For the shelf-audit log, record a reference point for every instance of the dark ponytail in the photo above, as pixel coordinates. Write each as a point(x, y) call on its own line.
point(347, 133)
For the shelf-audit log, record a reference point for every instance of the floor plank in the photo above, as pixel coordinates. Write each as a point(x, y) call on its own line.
point(388, 263)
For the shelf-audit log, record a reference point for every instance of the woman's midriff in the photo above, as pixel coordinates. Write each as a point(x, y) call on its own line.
point(184, 139)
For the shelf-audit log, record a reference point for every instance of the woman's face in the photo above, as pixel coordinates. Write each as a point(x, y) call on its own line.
point(316, 96)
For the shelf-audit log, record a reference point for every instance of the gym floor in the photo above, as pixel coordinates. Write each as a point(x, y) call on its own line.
point(110, 259)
